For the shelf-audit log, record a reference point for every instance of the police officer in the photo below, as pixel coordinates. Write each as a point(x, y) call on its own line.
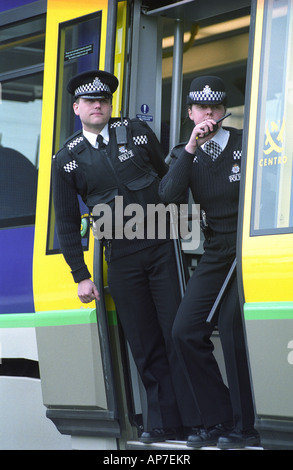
point(209, 164)
point(107, 159)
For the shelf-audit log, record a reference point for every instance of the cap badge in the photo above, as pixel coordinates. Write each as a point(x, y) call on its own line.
point(207, 90)
point(97, 83)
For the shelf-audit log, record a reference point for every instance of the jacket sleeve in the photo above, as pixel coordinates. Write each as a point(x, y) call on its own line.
point(67, 214)
point(175, 184)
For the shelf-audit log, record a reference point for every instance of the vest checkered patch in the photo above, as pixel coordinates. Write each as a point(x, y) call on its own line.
point(140, 139)
point(237, 154)
point(70, 166)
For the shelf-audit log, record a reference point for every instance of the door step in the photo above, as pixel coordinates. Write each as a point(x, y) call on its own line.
point(173, 445)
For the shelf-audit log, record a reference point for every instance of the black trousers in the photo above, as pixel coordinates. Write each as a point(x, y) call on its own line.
point(146, 293)
point(191, 333)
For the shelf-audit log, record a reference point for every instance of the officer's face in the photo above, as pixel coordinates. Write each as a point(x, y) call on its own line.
point(201, 112)
point(93, 113)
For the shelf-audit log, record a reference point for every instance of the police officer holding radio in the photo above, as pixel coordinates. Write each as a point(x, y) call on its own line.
point(113, 157)
point(209, 164)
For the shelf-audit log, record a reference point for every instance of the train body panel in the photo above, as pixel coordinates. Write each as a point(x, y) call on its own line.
point(266, 240)
point(24, 423)
point(16, 289)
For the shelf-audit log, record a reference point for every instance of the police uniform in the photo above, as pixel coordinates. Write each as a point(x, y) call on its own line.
point(227, 414)
point(142, 273)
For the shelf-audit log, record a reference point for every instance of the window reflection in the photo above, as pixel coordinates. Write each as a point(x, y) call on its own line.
point(20, 123)
point(22, 45)
point(18, 187)
point(21, 87)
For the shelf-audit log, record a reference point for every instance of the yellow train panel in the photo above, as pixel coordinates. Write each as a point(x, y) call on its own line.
point(53, 284)
point(266, 258)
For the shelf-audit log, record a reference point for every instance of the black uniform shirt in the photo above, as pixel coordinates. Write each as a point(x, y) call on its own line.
point(214, 184)
point(97, 176)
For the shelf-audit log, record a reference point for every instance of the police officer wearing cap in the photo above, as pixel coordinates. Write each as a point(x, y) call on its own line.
point(113, 157)
point(209, 164)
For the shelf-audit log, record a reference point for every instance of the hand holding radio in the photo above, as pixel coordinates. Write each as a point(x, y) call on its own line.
point(200, 133)
point(216, 126)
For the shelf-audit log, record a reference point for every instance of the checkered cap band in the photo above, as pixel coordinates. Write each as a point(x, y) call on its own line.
point(94, 87)
point(207, 94)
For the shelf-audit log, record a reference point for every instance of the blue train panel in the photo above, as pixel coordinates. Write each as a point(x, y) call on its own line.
point(16, 285)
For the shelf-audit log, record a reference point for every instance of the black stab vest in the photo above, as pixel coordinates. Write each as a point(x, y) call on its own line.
point(117, 170)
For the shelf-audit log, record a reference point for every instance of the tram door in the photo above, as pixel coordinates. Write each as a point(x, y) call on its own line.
point(83, 379)
point(267, 240)
point(197, 38)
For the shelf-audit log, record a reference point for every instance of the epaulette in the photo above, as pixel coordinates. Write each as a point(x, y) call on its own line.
point(74, 140)
point(72, 137)
point(177, 149)
point(174, 153)
point(116, 122)
point(65, 159)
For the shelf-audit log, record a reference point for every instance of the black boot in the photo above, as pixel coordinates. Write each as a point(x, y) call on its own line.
point(158, 435)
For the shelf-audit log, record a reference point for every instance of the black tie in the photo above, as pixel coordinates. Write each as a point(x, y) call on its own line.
point(213, 149)
point(100, 141)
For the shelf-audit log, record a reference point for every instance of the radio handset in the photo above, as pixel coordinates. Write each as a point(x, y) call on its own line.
point(121, 133)
point(215, 126)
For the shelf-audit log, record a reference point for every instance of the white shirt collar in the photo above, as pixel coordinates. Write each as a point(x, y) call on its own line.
point(221, 137)
point(92, 138)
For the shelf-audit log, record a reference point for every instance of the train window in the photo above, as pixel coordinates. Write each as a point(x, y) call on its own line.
point(272, 200)
point(22, 44)
point(78, 50)
point(21, 85)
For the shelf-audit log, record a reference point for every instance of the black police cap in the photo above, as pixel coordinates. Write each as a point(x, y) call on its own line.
point(207, 90)
point(93, 84)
